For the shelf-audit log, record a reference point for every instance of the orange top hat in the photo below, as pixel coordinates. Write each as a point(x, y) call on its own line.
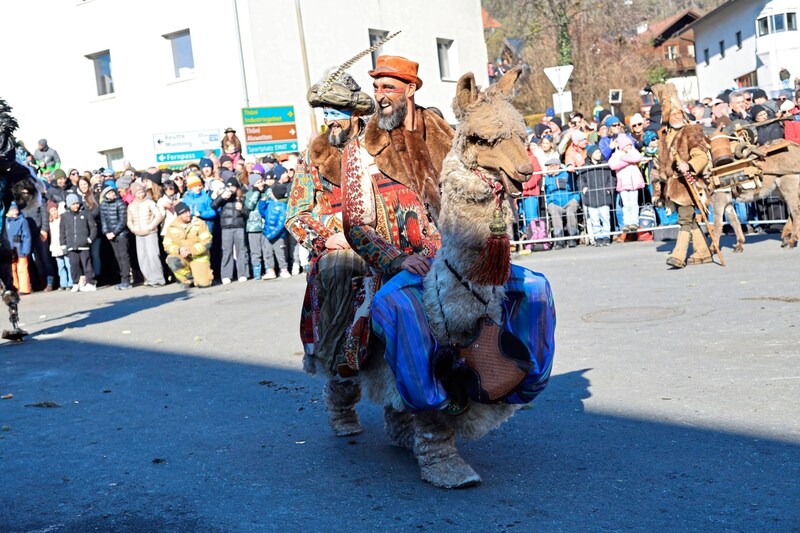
point(396, 67)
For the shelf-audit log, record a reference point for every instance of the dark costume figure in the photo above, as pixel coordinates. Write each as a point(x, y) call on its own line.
point(11, 174)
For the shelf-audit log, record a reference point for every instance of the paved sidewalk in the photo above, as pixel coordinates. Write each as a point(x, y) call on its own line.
point(674, 405)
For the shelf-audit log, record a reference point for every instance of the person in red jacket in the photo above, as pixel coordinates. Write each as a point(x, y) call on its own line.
point(531, 190)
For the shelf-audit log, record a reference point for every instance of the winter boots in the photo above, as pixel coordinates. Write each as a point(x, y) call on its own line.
point(341, 398)
point(399, 427)
point(701, 252)
point(437, 455)
point(677, 259)
point(257, 271)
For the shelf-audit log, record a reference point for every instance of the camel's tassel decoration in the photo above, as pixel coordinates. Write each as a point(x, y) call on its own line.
point(493, 266)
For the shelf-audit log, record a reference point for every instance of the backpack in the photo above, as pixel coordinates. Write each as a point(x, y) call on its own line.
point(647, 217)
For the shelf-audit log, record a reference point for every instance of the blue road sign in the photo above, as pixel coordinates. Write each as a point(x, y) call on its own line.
point(268, 115)
point(177, 157)
point(272, 147)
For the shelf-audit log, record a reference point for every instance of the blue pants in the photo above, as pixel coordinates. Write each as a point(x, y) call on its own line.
point(530, 208)
point(64, 272)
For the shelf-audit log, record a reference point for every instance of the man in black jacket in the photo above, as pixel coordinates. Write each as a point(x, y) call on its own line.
point(232, 218)
point(113, 217)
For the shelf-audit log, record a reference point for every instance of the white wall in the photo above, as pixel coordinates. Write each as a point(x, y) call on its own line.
point(778, 50)
point(721, 73)
point(58, 99)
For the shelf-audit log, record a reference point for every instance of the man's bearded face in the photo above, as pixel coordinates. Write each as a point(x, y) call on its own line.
point(676, 119)
point(339, 131)
point(392, 102)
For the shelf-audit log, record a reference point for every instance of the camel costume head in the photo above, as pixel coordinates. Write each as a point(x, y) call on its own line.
point(491, 133)
point(487, 163)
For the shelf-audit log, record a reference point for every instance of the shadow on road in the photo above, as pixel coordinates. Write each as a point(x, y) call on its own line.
point(145, 439)
point(107, 313)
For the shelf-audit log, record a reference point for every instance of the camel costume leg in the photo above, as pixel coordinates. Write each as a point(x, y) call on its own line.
point(437, 455)
point(789, 189)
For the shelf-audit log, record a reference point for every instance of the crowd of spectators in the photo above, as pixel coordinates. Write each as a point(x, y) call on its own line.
point(591, 180)
point(222, 217)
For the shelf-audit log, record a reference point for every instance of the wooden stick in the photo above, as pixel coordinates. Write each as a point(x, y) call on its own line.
point(690, 182)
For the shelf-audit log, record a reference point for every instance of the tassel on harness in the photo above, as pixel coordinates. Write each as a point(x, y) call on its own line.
point(493, 266)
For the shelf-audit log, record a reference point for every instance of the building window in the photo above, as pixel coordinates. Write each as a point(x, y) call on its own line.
point(443, 49)
point(763, 26)
point(102, 72)
point(779, 22)
point(791, 21)
point(722, 49)
point(705, 57)
point(672, 52)
point(182, 56)
point(738, 40)
point(376, 36)
point(690, 50)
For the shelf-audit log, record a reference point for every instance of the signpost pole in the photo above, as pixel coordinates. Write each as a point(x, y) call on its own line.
point(561, 105)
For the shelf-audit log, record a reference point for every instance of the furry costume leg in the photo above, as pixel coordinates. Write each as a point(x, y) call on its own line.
point(399, 427)
point(437, 455)
point(341, 397)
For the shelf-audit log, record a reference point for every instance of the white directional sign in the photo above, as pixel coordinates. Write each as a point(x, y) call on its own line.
point(559, 76)
point(186, 141)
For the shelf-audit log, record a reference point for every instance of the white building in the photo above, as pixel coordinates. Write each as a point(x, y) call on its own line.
point(746, 43)
point(100, 78)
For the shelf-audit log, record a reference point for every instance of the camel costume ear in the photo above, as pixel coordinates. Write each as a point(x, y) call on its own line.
point(505, 85)
point(466, 95)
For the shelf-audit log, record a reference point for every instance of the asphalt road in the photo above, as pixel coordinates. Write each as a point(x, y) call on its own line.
point(674, 405)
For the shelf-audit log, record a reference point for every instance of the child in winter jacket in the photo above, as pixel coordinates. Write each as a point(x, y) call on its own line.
point(62, 261)
point(18, 234)
point(273, 210)
point(78, 231)
point(625, 162)
point(597, 189)
point(255, 222)
point(230, 204)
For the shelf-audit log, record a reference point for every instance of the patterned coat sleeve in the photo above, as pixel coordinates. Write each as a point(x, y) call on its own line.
point(300, 219)
point(359, 215)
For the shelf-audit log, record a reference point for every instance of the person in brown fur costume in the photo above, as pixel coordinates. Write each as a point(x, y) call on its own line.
point(314, 218)
point(682, 148)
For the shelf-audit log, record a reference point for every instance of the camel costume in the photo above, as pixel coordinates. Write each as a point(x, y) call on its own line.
point(685, 143)
point(388, 192)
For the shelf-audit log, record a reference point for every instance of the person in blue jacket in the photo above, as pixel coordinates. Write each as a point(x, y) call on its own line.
point(609, 143)
point(198, 200)
point(273, 210)
point(562, 199)
point(18, 234)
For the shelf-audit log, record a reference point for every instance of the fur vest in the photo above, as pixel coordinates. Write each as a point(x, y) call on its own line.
point(690, 145)
point(438, 138)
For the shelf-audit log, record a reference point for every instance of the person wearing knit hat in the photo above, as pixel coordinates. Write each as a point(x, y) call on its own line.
point(199, 200)
point(229, 203)
point(18, 234)
point(59, 187)
point(187, 241)
point(615, 130)
point(596, 185)
point(575, 155)
point(114, 225)
point(625, 162)
point(226, 161)
point(78, 232)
